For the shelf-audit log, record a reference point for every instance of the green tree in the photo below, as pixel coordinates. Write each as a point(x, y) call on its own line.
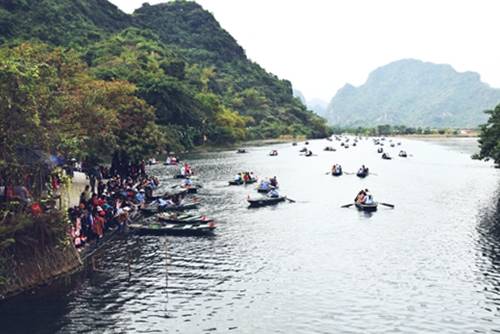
point(489, 140)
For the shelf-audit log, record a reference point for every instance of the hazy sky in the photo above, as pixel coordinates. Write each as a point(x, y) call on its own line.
point(320, 45)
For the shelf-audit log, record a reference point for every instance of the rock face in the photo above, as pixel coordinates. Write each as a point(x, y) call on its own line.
point(412, 92)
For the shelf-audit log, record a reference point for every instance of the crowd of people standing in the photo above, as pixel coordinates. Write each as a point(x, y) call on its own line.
point(109, 201)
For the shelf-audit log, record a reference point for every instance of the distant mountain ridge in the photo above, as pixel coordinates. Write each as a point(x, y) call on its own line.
point(416, 93)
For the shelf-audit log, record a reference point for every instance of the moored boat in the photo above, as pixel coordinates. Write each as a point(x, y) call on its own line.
point(173, 218)
point(174, 229)
point(403, 154)
point(182, 176)
point(155, 208)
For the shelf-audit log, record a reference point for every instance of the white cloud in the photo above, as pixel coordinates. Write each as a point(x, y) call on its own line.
point(321, 44)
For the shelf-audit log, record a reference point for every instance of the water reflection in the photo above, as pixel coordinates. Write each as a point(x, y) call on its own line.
point(488, 256)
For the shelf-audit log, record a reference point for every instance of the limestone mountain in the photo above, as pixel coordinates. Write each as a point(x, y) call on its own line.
point(416, 93)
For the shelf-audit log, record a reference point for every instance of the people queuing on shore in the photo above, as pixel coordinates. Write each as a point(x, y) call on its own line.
point(109, 206)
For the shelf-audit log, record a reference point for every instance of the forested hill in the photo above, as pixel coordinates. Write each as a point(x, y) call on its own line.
point(60, 22)
point(181, 61)
point(414, 93)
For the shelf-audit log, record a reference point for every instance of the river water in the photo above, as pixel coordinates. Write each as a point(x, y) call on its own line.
point(430, 265)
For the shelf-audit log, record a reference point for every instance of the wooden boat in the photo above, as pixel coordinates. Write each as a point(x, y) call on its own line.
point(155, 208)
point(294, 144)
point(303, 150)
point(180, 176)
point(329, 149)
point(265, 190)
point(192, 189)
point(175, 192)
point(241, 150)
point(273, 153)
point(183, 219)
point(380, 150)
point(180, 192)
point(241, 182)
point(386, 156)
point(339, 173)
point(173, 229)
point(367, 207)
point(363, 174)
point(265, 201)
point(403, 154)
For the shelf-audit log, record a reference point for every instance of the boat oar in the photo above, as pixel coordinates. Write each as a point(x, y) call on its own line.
point(290, 200)
point(388, 205)
point(349, 205)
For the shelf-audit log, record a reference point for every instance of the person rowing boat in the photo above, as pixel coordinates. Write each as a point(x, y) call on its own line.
point(337, 170)
point(363, 171)
point(364, 201)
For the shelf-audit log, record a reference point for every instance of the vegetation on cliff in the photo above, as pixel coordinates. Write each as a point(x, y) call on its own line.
point(174, 59)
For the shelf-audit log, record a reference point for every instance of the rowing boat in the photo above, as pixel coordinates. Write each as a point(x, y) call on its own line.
point(367, 207)
point(265, 201)
point(183, 218)
point(155, 208)
point(173, 229)
point(363, 174)
point(240, 182)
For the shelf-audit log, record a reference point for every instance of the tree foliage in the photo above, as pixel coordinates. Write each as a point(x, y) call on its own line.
point(489, 140)
point(173, 60)
point(49, 101)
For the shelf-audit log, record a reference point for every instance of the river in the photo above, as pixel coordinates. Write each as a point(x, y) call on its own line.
point(430, 265)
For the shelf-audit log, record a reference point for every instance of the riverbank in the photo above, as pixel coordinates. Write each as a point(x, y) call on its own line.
point(34, 250)
point(30, 268)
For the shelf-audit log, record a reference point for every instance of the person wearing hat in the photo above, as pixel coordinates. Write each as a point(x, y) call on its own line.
point(140, 197)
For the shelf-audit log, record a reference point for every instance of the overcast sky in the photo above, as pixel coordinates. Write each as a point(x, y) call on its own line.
point(320, 45)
